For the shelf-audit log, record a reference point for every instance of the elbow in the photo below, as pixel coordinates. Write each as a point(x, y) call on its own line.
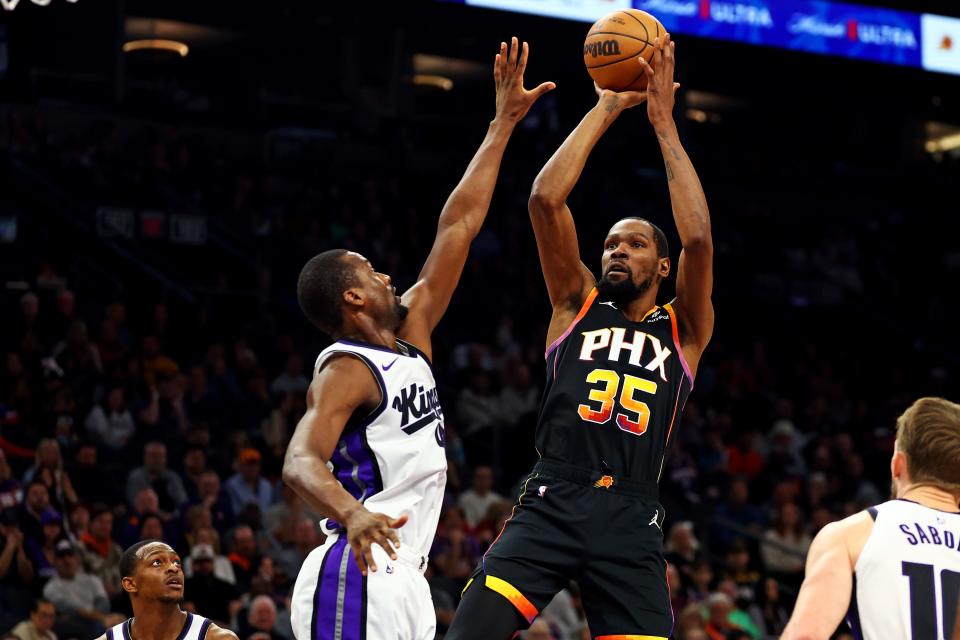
point(543, 200)
point(291, 472)
point(700, 243)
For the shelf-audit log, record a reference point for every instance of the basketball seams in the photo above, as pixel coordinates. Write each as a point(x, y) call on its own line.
point(641, 22)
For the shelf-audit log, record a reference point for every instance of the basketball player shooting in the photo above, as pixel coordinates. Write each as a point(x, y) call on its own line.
point(369, 452)
point(152, 576)
point(619, 369)
point(894, 569)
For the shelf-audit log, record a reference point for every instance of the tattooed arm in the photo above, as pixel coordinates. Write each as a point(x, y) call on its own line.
point(690, 213)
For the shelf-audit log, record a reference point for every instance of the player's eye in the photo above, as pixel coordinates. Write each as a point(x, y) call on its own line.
point(611, 245)
point(638, 245)
point(156, 563)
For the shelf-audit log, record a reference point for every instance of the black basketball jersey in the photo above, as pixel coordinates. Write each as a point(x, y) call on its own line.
point(615, 391)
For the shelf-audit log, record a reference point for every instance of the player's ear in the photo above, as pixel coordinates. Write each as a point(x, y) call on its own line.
point(354, 298)
point(898, 465)
point(664, 268)
point(129, 584)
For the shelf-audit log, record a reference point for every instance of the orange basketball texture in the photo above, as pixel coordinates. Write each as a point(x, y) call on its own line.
point(613, 44)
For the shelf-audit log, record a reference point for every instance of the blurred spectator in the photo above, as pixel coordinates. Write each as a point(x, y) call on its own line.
point(743, 457)
point(280, 520)
point(194, 464)
point(146, 503)
point(786, 555)
point(153, 363)
point(289, 558)
point(690, 624)
point(16, 570)
point(211, 497)
point(222, 567)
point(151, 528)
point(11, 493)
point(48, 470)
point(155, 475)
point(477, 500)
point(719, 607)
point(244, 556)
point(43, 552)
point(477, 407)
point(454, 549)
point(739, 569)
point(79, 358)
point(110, 423)
point(210, 596)
point(737, 511)
point(40, 624)
point(783, 455)
point(770, 613)
point(99, 552)
point(247, 485)
point(701, 584)
point(260, 619)
point(91, 479)
point(292, 380)
point(739, 619)
point(81, 603)
point(64, 313)
point(681, 550)
point(78, 521)
point(112, 349)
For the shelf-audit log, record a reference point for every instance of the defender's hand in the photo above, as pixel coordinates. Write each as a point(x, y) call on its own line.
point(660, 85)
point(365, 529)
point(513, 101)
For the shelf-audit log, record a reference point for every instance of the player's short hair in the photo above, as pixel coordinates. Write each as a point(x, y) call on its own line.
point(321, 283)
point(928, 433)
point(659, 237)
point(129, 559)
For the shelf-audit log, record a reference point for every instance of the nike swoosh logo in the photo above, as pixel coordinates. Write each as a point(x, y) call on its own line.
point(386, 367)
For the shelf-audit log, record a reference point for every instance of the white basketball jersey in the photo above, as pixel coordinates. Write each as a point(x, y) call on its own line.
point(194, 628)
point(907, 578)
point(393, 460)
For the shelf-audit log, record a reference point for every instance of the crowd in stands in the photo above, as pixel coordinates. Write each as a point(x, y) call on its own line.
point(129, 414)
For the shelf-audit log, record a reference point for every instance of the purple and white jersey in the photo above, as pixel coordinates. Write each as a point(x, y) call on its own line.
point(393, 460)
point(907, 578)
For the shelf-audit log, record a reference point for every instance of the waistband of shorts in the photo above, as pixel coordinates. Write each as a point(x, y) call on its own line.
point(604, 481)
point(413, 559)
point(405, 555)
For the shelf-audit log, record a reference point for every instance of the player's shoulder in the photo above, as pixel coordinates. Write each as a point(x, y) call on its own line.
point(215, 632)
point(850, 533)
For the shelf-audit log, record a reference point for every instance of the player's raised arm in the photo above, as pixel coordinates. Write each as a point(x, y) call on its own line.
point(691, 215)
point(568, 280)
point(343, 387)
point(825, 595)
point(466, 208)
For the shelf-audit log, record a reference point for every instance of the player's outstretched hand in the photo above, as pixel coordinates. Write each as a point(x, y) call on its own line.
point(660, 85)
point(513, 101)
point(364, 529)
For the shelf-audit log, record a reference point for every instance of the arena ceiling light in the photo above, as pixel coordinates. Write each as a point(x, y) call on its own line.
point(157, 44)
point(941, 138)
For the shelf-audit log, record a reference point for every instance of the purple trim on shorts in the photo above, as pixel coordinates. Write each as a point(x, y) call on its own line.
point(331, 592)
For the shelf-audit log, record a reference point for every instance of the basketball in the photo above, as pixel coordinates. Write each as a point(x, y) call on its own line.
point(613, 44)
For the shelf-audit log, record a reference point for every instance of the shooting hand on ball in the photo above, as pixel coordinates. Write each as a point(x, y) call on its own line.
point(513, 101)
point(660, 85)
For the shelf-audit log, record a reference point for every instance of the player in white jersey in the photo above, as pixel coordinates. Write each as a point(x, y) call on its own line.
point(894, 570)
point(152, 576)
point(369, 453)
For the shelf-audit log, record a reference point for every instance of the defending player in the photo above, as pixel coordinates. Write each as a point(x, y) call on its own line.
point(894, 569)
point(619, 369)
point(373, 414)
point(152, 576)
